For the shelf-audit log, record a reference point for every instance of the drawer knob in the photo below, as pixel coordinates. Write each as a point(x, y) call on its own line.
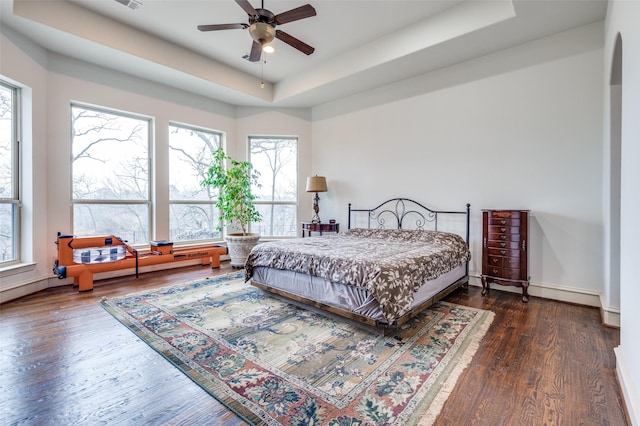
point(503, 252)
point(495, 272)
point(504, 222)
point(504, 237)
point(503, 245)
point(503, 229)
point(495, 260)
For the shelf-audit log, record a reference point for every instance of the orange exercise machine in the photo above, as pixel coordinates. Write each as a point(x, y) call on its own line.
point(81, 257)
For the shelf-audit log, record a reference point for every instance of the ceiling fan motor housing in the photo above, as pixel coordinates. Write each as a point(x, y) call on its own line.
point(263, 27)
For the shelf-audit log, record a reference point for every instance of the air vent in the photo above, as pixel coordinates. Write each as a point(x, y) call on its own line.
point(131, 4)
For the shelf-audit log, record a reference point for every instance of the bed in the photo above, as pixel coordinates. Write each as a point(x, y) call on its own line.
point(393, 261)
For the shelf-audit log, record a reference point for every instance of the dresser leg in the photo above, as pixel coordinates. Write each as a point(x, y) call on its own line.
point(485, 286)
point(525, 291)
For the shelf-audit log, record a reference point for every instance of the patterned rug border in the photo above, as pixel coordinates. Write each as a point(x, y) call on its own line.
point(422, 416)
point(454, 370)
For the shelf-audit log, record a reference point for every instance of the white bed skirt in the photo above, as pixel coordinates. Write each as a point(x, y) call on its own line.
point(351, 298)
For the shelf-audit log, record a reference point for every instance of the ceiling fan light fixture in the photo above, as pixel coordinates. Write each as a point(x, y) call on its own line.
point(267, 48)
point(262, 25)
point(262, 32)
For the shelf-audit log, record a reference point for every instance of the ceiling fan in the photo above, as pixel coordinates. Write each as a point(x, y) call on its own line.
point(262, 27)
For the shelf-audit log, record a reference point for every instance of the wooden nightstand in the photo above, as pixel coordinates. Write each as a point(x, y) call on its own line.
point(505, 249)
point(310, 227)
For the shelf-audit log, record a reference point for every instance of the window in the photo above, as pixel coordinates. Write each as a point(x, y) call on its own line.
point(276, 159)
point(110, 174)
point(193, 212)
point(9, 177)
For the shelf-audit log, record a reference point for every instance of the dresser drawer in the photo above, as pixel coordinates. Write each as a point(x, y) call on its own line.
point(503, 262)
point(507, 245)
point(511, 262)
point(501, 221)
point(495, 261)
point(506, 273)
point(504, 214)
point(504, 237)
point(503, 252)
point(504, 229)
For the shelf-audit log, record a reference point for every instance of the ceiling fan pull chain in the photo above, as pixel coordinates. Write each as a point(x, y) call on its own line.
point(262, 70)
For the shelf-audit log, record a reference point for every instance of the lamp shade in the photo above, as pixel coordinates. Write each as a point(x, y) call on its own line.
point(316, 184)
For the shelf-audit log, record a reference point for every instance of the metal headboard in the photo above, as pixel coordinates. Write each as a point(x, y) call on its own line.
point(400, 211)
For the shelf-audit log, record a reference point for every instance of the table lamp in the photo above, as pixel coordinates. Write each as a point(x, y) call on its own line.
point(316, 184)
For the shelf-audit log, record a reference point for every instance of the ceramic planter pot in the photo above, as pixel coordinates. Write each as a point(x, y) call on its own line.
point(239, 247)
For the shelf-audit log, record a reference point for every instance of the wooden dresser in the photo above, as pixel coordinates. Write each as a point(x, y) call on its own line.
point(505, 248)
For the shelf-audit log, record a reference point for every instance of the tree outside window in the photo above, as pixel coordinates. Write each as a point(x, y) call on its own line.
point(193, 211)
point(276, 158)
point(110, 174)
point(9, 193)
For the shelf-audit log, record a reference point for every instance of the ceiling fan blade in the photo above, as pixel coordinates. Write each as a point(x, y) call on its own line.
point(244, 4)
point(301, 12)
point(256, 52)
point(216, 27)
point(294, 42)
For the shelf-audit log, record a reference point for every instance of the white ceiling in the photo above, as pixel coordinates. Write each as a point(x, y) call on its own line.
point(359, 44)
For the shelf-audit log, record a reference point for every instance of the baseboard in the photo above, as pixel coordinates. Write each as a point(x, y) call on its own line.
point(23, 289)
point(610, 316)
point(629, 393)
point(578, 296)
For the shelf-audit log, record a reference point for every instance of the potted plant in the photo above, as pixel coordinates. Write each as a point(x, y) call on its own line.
point(235, 202)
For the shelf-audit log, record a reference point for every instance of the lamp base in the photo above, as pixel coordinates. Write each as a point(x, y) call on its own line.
point(316, 209)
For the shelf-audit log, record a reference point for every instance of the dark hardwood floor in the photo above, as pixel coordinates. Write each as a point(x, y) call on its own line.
point(64, 360)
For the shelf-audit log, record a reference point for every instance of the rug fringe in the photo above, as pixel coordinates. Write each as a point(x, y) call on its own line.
point(430, 416)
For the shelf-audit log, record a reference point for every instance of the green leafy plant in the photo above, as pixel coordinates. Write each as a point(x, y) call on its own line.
point(235, 199)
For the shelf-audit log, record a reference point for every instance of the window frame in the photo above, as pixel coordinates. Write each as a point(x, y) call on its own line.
point(148, 202)
point(214, 202)
point(295, 202)
point(16, 197)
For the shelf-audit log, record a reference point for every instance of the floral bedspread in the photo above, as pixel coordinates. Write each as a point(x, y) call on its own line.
point(391, 263)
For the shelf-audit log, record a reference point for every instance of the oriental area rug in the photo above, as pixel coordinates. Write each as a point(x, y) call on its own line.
point(274, 363)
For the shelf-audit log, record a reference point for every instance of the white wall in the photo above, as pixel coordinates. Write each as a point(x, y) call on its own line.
point(56, 82)
point(622, 19)
point(518, 129)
